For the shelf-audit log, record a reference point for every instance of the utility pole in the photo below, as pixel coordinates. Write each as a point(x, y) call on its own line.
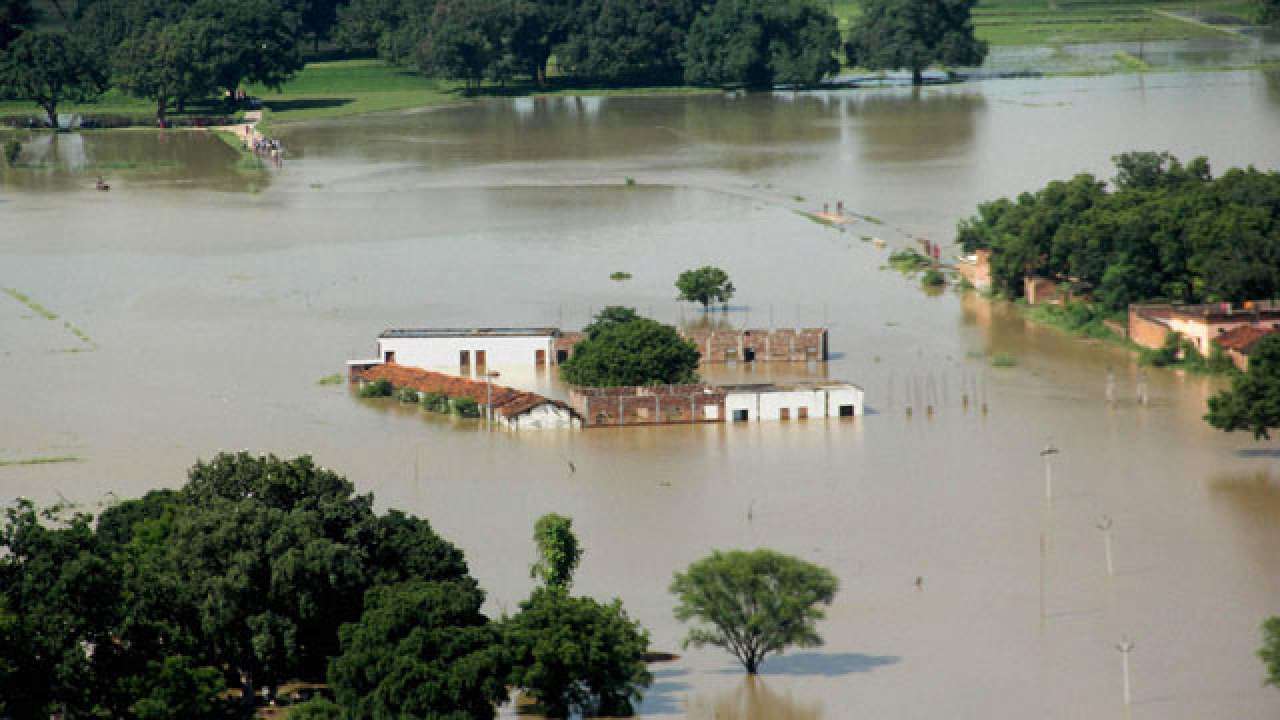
point(1125, 647)
point(1049, 450)
point(1042, 580)
point(1105, 526)
point(488, 401)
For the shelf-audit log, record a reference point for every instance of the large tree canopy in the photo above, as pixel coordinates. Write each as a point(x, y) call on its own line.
point(1253, 402)
point(166, 63)
point(635, 352)
point(914, 34)
point(630, 41)
point(16, 17)
point(421, 650)
point(250, 568)
point(1164, 231)
point(753, 603)
point(50, 68)
point(758, 43)
point(705, 285)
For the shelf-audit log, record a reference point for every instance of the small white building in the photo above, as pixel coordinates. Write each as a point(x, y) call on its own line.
point(462, 351)
point(745, 403)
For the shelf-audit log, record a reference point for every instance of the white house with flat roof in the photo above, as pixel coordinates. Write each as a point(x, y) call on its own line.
point(463, 351)
point(746, 403)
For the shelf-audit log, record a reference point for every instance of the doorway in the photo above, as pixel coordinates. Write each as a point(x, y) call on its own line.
point(464, 362)
point(540, 358)
point(389, 357)
point(481, 361)
point(748, 354)
point(846, 411)
point(740, 415)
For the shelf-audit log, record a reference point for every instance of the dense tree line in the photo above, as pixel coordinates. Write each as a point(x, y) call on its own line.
point(262, 570)
point(175, 51)
point(167, 51)
point(748, 42)
point(1161, 230)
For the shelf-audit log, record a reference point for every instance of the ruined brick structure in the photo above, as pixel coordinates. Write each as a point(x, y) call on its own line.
point(758, 345)
point(656, 405)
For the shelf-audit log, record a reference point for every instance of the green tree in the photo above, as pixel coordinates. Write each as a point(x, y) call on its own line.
point(255, 42)
point(16, 17)
point(58, 594)
point(637, 352)
point(758, 43)
point(1269, 653)
point(50, 68)
point(1253, 402)
point(465, 41)
point(753, 603)
point(1268, 12)
point(641, 41)
point(705, 285)
point(534, 28)
point(176, 688)
point(610, 315)
point(573, 654)
point(558, 551)
point(914, 34)
point(421, 650)
point(165, 63)
point(317, 709)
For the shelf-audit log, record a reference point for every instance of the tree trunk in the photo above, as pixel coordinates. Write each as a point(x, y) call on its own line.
point(162, 105)
point(917, 76)
point(182, 104)
point(542, 75)
point(752, 666)
point(51, 112)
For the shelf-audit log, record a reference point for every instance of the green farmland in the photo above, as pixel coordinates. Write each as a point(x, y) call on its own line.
point(1045, 22)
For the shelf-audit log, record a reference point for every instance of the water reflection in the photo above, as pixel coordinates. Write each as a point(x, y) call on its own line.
point(754, 699)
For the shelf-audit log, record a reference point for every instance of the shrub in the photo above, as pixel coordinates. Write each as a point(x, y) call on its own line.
point(12, 149)
point(1003, 360)
point(407, 395)
point(436, 402)
point(466, 407)
point(908, 261)
point(933, 278)
point(620, 275)
point(376, 388)
point(333, 379)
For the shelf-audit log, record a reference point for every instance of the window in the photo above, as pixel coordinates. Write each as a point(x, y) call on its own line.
point(784, 414)
point(464, 361)
point(642, 413)
point(389, 357)
point(740, 415)
point(802, 413)
point(846, 411)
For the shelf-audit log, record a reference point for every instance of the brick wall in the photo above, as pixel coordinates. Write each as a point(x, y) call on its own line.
point(779, 345)
point(1145, 324)
point(629, 406)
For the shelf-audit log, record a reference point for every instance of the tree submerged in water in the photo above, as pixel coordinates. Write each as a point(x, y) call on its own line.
point(754, 603)
point(705, 285)
point(1253, 402)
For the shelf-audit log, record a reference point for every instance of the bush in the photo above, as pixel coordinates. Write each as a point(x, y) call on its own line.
point(12, 149)
point(908, 261)
point(436, 402)
point(375, 389)
point(407, 395)
point(1003, 360)
point(933, 278)
point(466, 407)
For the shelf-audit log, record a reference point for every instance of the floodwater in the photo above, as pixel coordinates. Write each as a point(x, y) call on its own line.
point(211, 301)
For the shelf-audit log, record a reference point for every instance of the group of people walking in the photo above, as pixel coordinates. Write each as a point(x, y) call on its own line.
point(264, 147)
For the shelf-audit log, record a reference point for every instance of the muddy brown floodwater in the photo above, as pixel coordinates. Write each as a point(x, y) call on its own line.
point(213, 301)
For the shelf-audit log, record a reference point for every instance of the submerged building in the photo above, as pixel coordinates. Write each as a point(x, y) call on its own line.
point(1203, 325)
point(687, 404)
point(464, 351)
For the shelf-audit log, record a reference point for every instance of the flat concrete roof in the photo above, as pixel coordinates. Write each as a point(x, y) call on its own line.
point(789, 387)
point(469, 332)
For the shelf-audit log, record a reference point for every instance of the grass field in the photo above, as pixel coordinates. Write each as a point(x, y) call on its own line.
point(1050, 22)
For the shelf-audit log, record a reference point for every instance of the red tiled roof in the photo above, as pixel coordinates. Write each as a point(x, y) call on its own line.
point(1242, 339)
point(507, 402)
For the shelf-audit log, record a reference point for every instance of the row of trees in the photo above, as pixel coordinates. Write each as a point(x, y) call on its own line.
point(1162, 230)
point(756, 43)
point(168, 51)
point(262, 570)
point(175, 51)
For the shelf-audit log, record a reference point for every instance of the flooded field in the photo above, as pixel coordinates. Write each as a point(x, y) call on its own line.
point(211, 300)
